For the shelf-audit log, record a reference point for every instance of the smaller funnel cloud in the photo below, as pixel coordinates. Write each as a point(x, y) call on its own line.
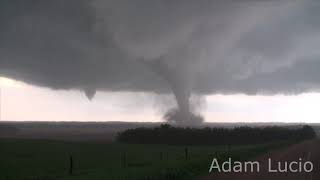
point(183, 115)
point(90, 93)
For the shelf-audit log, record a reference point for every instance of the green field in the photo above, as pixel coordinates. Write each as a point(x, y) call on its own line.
point(49, 160)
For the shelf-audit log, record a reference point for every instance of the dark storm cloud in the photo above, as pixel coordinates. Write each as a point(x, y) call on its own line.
point(210, 46)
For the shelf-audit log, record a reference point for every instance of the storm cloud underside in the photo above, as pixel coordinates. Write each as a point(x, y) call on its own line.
point(209, 46)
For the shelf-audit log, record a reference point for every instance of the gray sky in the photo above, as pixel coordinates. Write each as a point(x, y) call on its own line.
point(258, 48)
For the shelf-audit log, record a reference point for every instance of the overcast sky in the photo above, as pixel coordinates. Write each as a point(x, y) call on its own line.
point(250, 60)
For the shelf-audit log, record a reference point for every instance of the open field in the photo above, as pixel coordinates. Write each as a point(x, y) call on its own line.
point(48, 160)
point(101, 132)
point(42, 151)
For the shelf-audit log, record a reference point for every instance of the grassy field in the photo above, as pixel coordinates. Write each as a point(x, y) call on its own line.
point(49, 160)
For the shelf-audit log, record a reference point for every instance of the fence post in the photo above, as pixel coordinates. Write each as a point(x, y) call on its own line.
point(70, 165)
point(123, 159)
point(161, 155)
point(186, 153)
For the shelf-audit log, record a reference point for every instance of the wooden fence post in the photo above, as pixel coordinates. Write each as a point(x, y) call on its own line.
point(186, 153)
point(123, 159)
point(70, 165)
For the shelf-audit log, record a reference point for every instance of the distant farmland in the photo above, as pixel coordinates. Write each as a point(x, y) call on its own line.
point(102, 132)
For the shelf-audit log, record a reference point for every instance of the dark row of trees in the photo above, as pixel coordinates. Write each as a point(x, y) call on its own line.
point(167, 134)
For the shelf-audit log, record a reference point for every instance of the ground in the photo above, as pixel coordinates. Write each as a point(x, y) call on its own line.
point(308, 151)
point(23, 159)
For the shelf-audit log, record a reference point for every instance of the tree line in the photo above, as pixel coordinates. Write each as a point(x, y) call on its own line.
point(166, 134)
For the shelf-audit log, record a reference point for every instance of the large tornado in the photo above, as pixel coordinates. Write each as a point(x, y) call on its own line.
point(183, 115)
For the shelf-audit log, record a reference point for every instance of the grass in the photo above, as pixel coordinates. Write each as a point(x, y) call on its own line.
point(49, 160)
